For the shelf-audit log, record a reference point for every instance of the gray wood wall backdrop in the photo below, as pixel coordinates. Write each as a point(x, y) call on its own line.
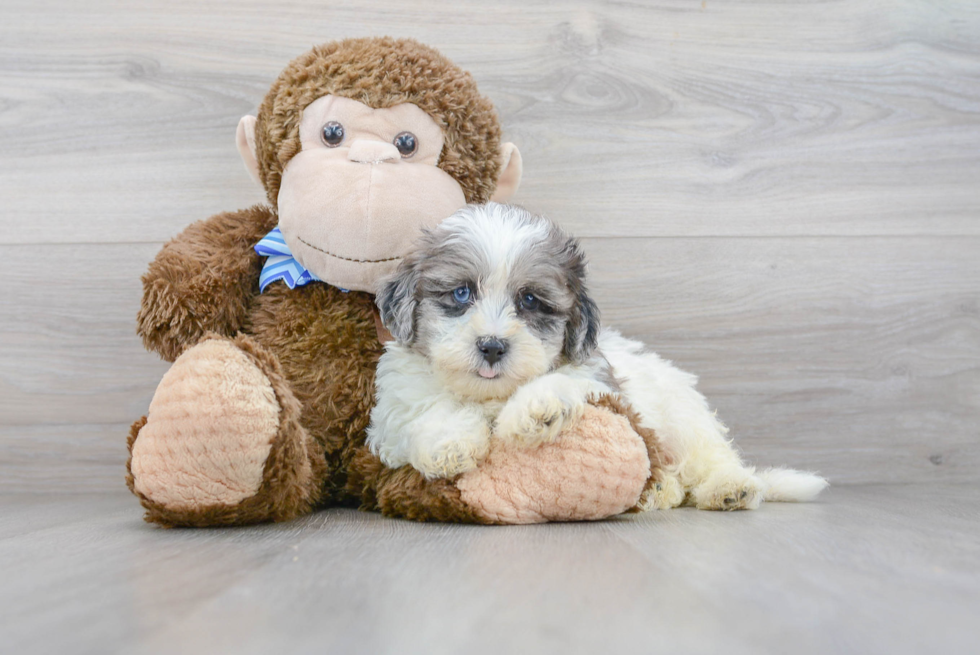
point(782, 197)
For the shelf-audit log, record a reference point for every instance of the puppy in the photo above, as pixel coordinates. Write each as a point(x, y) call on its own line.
point(496, 337)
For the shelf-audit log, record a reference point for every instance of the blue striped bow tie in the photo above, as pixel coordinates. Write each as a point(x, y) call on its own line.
point(280, 265)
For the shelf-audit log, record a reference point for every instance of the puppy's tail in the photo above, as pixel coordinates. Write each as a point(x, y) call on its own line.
point(789, 486)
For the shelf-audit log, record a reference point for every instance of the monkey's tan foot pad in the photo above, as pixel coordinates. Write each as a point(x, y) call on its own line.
point(222, 443)
point(596, 468)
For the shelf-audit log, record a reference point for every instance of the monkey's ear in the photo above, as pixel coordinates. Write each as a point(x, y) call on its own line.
point(245, 139)
point(396, 300)
point(511, 168)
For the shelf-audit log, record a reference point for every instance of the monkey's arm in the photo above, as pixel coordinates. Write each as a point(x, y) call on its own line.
point(203, 280)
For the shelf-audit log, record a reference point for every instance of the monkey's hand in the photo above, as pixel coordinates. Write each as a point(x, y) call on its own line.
point(204, 280)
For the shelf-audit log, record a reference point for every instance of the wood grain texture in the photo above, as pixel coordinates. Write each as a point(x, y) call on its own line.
point(669, 118)
point(856, 357)
point(866, 570)
point(781, 197)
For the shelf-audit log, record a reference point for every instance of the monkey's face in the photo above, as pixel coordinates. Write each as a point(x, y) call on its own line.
point(364, 184)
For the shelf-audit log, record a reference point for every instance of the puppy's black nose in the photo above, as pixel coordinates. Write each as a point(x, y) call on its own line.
point(492, 348)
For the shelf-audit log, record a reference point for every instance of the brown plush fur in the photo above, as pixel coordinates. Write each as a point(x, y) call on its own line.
point(328, 347)
point(383, 73)
point(203, 281)
point(317, 345)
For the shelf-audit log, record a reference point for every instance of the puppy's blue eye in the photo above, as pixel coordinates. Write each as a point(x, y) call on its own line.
point(530, 302)
point(461, 294)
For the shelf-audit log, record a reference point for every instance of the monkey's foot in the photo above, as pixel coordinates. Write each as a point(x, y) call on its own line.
point(597, 467)
point(222, 444)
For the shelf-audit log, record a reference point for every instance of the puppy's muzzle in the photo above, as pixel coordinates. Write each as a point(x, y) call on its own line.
point(492, 349)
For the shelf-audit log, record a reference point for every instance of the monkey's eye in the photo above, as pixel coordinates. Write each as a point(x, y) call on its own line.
point(406, 143)
point(530, 302)
point(332, 134)
point(461, 294)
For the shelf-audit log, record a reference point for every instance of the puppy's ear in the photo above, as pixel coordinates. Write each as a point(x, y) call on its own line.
point(582, 330)
point(397, 301)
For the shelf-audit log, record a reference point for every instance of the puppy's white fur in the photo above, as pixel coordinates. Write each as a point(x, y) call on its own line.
point(439, 402)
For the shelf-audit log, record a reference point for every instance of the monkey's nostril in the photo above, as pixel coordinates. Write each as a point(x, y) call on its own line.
point(492, 349)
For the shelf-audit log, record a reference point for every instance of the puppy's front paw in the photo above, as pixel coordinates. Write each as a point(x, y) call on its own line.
point(449, 457)
point(536, 414)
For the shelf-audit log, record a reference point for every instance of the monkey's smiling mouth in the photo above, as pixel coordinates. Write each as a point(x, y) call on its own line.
point(348, 259)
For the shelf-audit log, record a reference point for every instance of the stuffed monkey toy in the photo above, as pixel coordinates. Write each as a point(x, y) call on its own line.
point(268, 315)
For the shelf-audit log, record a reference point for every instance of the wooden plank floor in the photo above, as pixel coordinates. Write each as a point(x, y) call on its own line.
point(869, 569)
